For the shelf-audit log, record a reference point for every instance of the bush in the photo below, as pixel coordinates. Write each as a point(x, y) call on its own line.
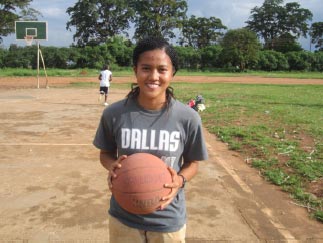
point(189, 57)
point(3, 54)
point(300, 61)
point(318, 62)
point(271, 61)
point(210, 56)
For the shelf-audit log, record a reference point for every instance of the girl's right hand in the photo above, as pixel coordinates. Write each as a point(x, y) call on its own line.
point(115, 165)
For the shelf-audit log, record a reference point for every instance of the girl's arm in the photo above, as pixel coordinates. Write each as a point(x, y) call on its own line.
point(189, 170)
point(110, 163)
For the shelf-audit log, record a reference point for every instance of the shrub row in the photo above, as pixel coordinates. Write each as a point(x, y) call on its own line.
point(118, 53)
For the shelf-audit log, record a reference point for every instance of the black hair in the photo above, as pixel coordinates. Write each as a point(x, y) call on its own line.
point(153, 43)
point(149, 44)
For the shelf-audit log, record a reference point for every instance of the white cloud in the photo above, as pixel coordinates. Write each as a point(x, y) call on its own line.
point(53, 12)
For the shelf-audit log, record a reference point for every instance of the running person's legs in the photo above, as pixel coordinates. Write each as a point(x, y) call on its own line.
point(104, 91)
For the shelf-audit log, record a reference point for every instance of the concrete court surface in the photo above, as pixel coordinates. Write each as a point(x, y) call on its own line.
point(53, 188)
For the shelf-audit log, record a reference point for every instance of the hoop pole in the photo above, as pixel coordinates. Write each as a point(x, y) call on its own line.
point(37, 64)
point(41, 55)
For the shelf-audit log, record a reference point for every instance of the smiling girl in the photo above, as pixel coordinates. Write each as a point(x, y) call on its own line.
point(151, 120)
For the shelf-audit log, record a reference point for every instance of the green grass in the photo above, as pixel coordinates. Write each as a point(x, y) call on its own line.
point(121, 72)
point(12, 72)
point(277, 128)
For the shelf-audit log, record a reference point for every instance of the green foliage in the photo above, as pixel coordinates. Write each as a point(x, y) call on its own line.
point(319, 215)
point(272, 20)
point(117, 51)
point(189, 57)
point(264, 164)
point(286, 43)
point(20, 57)
point(300, 61)
point(276, 176)
point(3, 54)
point(210, 56)
point(317, 35)
point(317, 65)
point(271, 61)
point(201, 32)
point(96, 21)
point(158, 18)
point(9, 13)
point(120, 51)
point(56, 57)
point(240, 48)
point(306, 165)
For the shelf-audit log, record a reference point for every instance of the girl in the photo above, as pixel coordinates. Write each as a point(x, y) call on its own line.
point(151, 120)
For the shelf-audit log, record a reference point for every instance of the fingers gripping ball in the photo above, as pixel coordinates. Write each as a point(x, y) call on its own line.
point(139, 185)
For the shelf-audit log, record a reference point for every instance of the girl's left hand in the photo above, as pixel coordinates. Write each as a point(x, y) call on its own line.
point(174, 186)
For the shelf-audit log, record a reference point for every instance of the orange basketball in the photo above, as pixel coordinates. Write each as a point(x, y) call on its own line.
point(139, 185)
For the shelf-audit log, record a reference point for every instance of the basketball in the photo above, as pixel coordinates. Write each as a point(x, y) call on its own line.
point(139, 185)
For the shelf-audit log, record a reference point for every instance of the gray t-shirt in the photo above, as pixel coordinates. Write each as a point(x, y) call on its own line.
point(173, 134)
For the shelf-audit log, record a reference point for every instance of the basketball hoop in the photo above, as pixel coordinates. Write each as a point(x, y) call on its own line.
point(29, 39)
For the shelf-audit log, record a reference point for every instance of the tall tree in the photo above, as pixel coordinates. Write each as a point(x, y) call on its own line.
point(201, 32)
point(97, 20)
point(155, 17)
point(9, 13)
point(286, 43)
point(240, 47)
point(272, 20)
point(317, 35)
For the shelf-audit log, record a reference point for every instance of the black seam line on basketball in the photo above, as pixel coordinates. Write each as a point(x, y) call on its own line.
point(136, 168)
point(144, 192)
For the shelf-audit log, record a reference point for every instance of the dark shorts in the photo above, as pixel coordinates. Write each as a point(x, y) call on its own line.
point(104, 90)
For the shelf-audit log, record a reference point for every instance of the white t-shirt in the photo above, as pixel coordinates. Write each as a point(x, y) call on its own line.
point(105, 78)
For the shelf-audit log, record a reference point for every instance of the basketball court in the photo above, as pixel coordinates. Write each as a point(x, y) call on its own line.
point(53, 188)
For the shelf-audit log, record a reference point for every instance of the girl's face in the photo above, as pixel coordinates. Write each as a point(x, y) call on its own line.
point(154, 71)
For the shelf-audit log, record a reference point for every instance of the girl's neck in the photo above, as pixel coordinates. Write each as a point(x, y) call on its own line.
point(151, 104)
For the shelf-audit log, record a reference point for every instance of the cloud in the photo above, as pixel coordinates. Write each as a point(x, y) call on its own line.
point(54, 12)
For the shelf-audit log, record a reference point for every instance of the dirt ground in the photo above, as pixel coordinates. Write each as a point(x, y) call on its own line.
point(23, 82)
point(53, 188)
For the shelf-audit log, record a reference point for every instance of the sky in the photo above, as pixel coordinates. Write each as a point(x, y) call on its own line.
point(233, 14)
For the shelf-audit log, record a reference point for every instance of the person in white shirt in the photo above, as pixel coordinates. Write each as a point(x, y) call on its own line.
point(105, 78)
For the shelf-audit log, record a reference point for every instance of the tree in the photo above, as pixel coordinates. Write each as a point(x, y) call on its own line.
point(286, 43)
point(188, 57)
point(316, 34)
point(210, 56)
point(120, 50)
point(158, 18)
point(201, 32)
point(9, 14)
point(97, 20)
point(272, 20)
point(240, 47)
point(21, 57)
